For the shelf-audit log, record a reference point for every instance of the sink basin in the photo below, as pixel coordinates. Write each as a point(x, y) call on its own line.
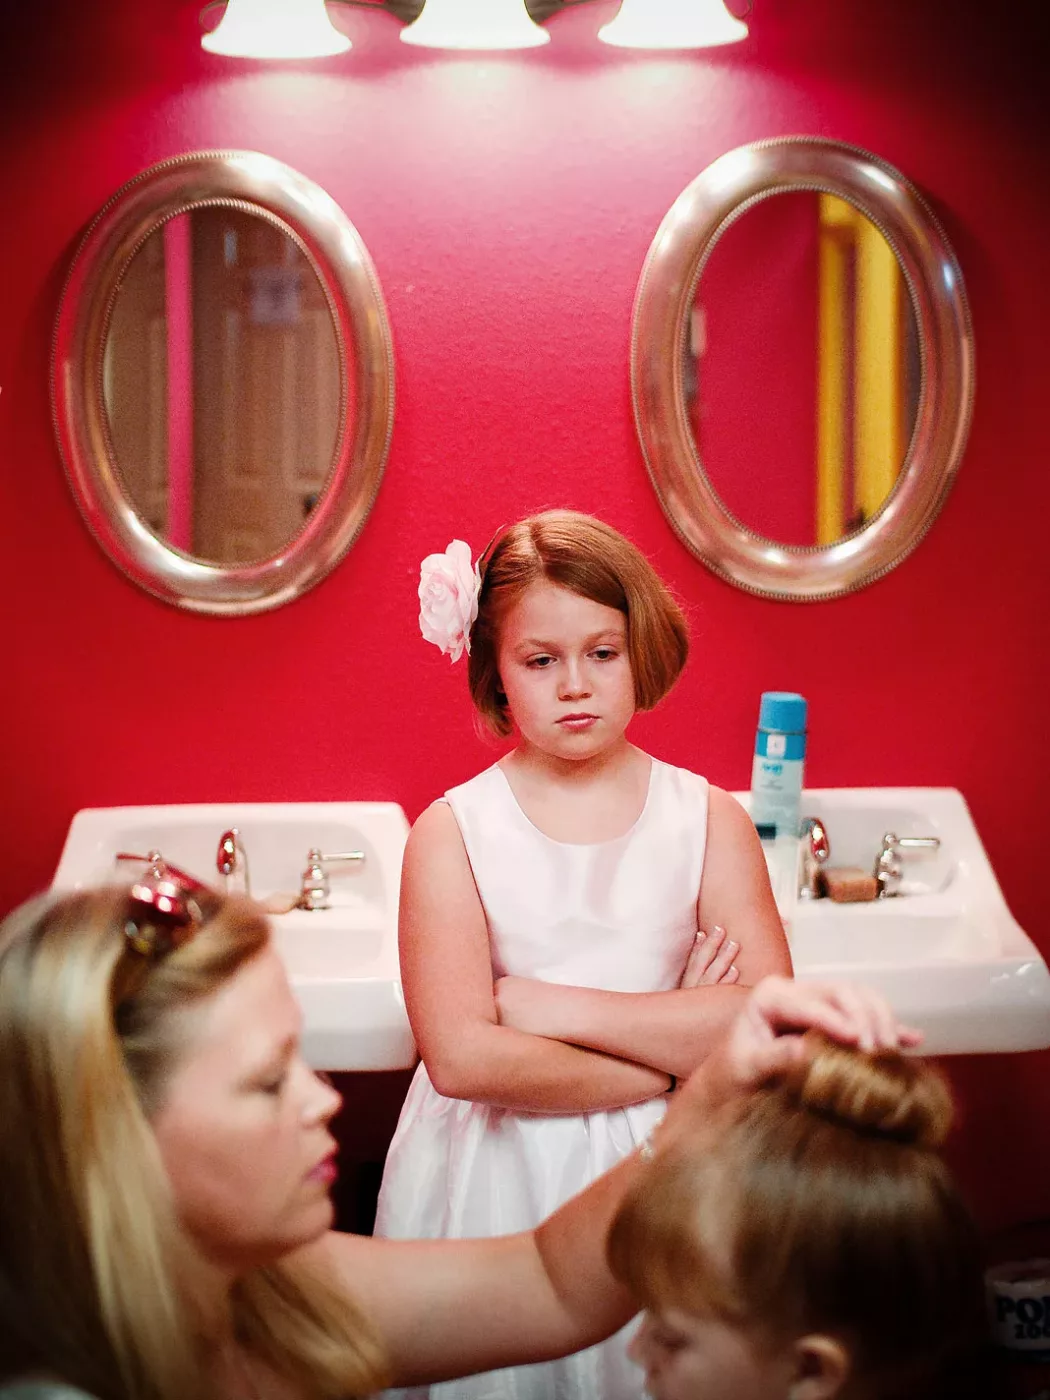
point(946, 952)
point(830, 935)
point(342, 961)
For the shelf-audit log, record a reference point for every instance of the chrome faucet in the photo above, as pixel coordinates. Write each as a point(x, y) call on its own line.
point(316, 885)
point(813, 850)
point(231, 861)
point(889, 865)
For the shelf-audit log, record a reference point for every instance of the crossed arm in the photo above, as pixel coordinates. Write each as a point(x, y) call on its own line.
point(539, 1047)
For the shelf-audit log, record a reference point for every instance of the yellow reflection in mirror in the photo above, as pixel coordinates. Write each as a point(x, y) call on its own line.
point(862, 370)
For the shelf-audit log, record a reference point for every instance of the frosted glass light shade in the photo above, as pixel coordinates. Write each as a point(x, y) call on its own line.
point(275, 29)
point(475, 24)
point(672, 24)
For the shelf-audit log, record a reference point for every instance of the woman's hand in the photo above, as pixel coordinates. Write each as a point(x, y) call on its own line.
point(710, 962)
point(766, 1038)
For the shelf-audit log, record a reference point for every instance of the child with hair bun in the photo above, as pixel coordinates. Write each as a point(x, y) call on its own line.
point(808, 1243)
point(563, 952)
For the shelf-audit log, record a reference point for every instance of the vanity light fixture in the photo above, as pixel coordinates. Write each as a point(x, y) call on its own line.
point(672, 24)
point(303, 29)
point(275, 29)
point(475, 24)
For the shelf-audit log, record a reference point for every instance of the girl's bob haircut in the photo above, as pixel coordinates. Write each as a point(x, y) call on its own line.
point(592, 559)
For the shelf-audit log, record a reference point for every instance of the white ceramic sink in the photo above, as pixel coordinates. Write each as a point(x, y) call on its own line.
point(342, 961)
point(947, 952)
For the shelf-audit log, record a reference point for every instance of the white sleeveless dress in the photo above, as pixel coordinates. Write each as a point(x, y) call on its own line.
point(617, 915)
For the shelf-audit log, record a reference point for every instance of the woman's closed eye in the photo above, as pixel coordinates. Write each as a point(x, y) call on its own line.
point(273, 1079)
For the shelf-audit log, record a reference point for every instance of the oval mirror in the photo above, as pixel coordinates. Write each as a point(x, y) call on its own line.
point(222, 381)
point(802, 367)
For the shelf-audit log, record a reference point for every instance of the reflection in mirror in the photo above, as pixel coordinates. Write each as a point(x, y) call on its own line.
point(222, 381)
point(801, 376)
point(221, 384)
point(802, 367)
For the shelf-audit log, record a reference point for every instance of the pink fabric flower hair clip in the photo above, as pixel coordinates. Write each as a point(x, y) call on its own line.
point(449, 585)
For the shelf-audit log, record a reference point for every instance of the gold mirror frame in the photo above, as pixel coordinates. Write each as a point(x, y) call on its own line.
point(256, 184)
point(676, 259)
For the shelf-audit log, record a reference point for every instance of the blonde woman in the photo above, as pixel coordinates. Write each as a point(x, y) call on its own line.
point(165, 1162)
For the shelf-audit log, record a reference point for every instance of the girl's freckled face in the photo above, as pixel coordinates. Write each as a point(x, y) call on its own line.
point(565, 671)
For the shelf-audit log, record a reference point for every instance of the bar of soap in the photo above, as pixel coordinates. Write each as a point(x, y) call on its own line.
point(848, 884)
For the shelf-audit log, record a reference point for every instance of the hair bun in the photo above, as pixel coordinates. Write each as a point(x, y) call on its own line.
point(885, 1094)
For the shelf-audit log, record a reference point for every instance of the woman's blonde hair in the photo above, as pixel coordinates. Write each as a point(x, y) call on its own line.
point(820, 1205)
point(592, 559)
point(96, 1277)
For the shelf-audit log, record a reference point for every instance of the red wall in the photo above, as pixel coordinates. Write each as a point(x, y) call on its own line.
point(508, 204)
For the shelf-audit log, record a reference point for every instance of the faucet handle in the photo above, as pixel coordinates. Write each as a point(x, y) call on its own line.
point(889, 863)
point(316, 885)
point(152, 858)
point(911, 843)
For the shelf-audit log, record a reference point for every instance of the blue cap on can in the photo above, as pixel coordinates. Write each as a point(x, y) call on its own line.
point(783, 711)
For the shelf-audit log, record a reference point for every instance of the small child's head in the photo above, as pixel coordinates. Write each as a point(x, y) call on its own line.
point(808, 1244)
point(591, 559)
